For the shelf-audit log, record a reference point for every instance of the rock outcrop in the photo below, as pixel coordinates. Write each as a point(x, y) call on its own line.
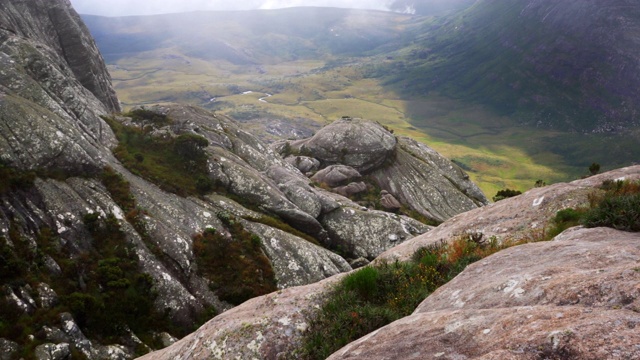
point(573, 297)
point(415, 175)
point(352, 142)
point(54, 94)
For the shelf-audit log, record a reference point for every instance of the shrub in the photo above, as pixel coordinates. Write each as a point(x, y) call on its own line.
point(377, 295)
point(190, 146)
point(618, 207)
point(235, 266)
point(177, 165)
point(506, 193)
point(12, 179)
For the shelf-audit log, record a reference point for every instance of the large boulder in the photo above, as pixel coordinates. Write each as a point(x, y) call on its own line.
point(361, 144)
point(575, 297)
point(267, 327)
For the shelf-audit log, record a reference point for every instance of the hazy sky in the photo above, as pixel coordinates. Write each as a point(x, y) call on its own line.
point(147, 7)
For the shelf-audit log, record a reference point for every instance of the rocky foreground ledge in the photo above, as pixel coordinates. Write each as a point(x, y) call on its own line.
point(576, 296)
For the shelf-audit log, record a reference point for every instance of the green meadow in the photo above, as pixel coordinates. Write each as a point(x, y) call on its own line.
point(496, 153)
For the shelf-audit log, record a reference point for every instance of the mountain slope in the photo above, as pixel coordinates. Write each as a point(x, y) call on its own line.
point(481, 312)
point(564, 65)
point(120, 232)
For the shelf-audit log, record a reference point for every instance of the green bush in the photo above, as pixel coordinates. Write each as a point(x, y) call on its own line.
point(620, 212)
point(618, 207)
point(363, 282)
point(506, 193)
point(12, 179)
point(190, 146)
point(236, 266)
point(377, 295)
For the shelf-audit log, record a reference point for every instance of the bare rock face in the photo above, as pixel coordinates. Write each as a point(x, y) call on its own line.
point(516, 217)
point(56, 25)
point(575, 297)
point(427, 182)
point(268, 327)
point(361, 233)
point(53, 87)
point(363, 145)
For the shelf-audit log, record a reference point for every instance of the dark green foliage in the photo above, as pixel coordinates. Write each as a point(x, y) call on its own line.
point(12, 179)
point(594, 168)
point(565, 219)
point(375, 296)
point(190, 146)
point(506, 193)
point(618, 207)
point(119, 189)
point(147, 117)
point(236, 266)
point(618, 212)
point(177, 165)
point(111, 294)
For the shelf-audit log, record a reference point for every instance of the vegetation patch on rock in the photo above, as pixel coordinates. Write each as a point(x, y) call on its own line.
point(378, 295)
point(235, 265)
point(175, 164)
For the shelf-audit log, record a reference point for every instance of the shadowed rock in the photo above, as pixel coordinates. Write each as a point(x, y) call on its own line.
point(336, 175)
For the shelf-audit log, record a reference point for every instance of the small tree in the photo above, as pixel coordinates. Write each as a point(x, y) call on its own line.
point(594, 168)
point(506, 193)
point(190, 146)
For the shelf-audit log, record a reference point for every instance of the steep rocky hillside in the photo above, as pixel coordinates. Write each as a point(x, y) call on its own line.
point(575, 296)
point(121, 232)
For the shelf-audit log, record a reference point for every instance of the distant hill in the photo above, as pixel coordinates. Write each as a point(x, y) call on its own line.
point(569, 65)
point(561, 65)
point(513, 90)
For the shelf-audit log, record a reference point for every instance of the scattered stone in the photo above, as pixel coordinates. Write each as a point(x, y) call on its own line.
point(359, 262)
point(7, 349)
point(303, 163)
point(351, 189)
point(389, 202)
point(53, 351)
point(47, 298)
point(166, 339)
point(336, 175)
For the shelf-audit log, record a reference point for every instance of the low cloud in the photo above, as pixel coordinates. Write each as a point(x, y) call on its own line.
point(149, 7)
